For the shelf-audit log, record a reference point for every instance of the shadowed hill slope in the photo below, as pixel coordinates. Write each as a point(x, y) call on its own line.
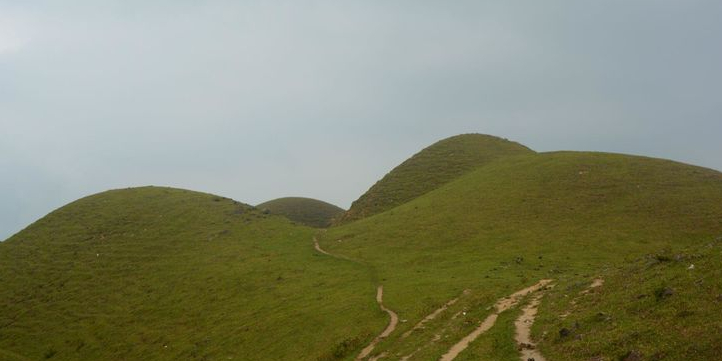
point(524, 218)
point(307, 211)
point(167, 274)
point(430, 168)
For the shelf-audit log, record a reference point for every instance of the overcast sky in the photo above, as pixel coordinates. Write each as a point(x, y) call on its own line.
point(256, 100)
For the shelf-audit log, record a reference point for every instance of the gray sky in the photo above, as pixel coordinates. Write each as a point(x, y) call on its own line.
point(261, 99)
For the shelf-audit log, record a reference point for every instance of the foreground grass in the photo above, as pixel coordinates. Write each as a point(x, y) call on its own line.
point(166, 274)
point(661, 306)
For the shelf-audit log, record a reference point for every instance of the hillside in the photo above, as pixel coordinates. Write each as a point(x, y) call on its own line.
point(307, 211)
point(518, 220)
point(432, 167)
point(166, 274)
point(661, 306)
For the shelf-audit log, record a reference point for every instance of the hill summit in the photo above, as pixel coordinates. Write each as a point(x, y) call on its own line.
point(429, 169)
point(307, 211)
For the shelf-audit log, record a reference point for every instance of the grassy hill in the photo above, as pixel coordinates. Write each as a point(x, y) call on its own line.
point(307, 211)
point(520, 219)
point(430, 168)
point(166, 274)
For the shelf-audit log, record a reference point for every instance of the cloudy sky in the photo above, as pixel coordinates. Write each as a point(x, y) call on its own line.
point(261, 99)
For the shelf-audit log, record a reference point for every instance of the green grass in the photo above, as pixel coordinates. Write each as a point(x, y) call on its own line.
point(123, 274)
point(523, 218)
point(166, 274)
point(655, 305)
point(427, 170)
point(306, 211)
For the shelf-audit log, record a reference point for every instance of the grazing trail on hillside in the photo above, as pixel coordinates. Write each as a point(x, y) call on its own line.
point(393, 321)
point(523, 330)
point(501, 306)
point(432, 315)
point(393, 317)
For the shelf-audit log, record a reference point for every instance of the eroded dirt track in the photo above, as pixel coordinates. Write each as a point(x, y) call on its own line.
point(393, 321)
point(501, 306)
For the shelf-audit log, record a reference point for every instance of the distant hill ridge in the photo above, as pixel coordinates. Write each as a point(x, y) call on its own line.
point(307, 211)
point(430, 168)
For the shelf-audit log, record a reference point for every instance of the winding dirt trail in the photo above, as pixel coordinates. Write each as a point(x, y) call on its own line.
point(393, 321)
point(393, 317)
point(501, 306)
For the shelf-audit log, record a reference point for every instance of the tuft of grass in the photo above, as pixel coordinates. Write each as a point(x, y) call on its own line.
point(306, 211)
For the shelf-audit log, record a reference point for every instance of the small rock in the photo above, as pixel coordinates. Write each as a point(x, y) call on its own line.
point(690, 266)
point(564, 332)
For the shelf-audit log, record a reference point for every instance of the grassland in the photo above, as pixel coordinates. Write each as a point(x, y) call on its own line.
point(166, 274)
point(519, 219)
point(161, 274)
point(306, 211)
point(429, 169)
point(660, 306)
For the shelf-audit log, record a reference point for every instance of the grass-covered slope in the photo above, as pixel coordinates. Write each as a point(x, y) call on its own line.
point(661, 306)
point(430, 168)
point(307, 211)
point(166, 274)
point(523, 218)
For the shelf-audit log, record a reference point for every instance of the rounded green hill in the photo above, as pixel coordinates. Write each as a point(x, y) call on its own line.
point(158, 273)
point(307, 211)
point(429, 169)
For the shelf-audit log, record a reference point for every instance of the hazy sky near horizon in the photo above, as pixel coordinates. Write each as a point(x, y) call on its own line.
point(256, 100)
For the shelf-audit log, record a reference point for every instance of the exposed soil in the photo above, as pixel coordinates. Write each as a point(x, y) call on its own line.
point(501, 306)
point(523, 330)
point(393, 321)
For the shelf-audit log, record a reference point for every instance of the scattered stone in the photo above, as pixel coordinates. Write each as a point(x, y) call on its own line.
point(564, 332)
point(525, 346)
point(663, 292)
point(690, 266)
point(633, 355)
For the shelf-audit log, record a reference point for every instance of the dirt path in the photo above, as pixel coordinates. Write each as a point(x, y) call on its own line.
point(321, 250)
point(523, 330)
point(432, 315)
point(501, 306)
point(393, 321)
point(393, 317)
